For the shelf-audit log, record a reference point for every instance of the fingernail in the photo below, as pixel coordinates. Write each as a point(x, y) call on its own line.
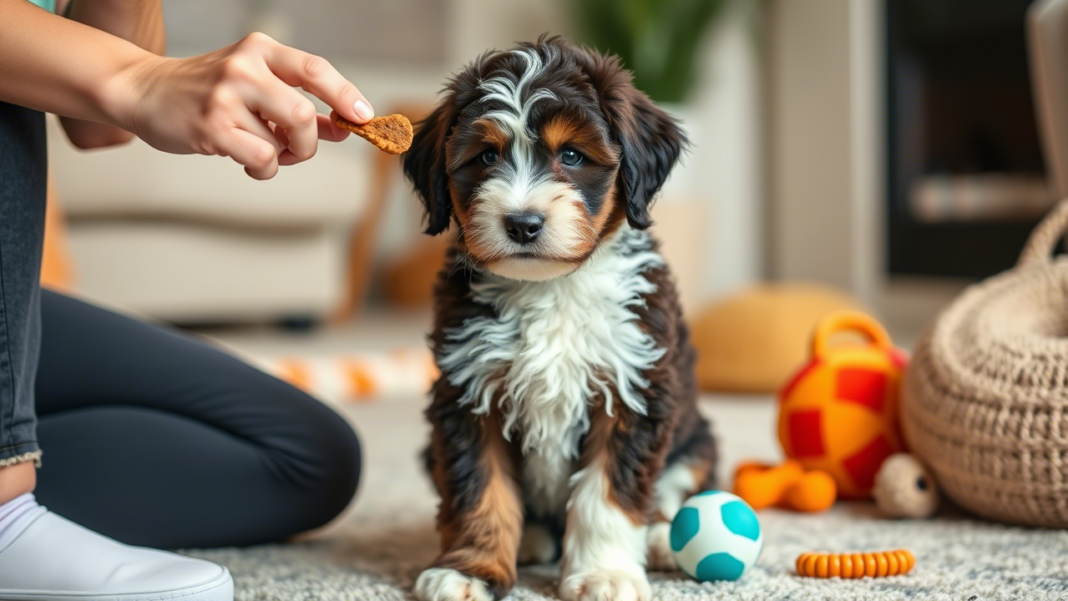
point(363, 109)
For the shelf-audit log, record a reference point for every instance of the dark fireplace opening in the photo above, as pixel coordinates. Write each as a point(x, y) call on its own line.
point(965, 175)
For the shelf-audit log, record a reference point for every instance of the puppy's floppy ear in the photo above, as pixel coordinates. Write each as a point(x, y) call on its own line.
point(650, 139)
point(424, 165)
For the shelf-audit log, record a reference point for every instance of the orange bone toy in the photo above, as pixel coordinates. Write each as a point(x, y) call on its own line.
point(855, 565)
point(787, 485)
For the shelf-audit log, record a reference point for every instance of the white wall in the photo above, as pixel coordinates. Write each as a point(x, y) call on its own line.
point(727, 160)
point(824, 143)
point(810, 146)
point(479, 25)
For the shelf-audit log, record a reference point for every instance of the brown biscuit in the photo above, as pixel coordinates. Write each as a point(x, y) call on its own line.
point(392, 133)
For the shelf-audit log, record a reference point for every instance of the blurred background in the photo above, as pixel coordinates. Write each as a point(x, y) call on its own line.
point(871, 153)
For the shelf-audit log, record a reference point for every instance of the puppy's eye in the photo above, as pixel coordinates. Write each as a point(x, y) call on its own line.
point(489, 157)
point(570, 157)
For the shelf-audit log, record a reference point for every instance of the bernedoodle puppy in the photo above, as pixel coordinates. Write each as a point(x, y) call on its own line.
point(564, 420)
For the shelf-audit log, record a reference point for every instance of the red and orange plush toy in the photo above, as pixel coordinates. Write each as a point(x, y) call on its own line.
point(839, 414)
point(838, 420)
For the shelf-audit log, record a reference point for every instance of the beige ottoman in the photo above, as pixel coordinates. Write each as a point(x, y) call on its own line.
point(754, 340)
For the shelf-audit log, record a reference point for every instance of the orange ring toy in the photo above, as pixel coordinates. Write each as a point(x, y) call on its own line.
point(855, 565)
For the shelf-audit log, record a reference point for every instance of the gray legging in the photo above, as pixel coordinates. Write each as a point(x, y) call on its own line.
point(148, 436)
point(156, 439)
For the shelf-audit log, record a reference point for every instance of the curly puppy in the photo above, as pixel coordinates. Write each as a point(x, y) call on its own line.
point(564, 420)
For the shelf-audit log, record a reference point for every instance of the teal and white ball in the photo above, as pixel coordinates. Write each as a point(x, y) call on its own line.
point(716, 536)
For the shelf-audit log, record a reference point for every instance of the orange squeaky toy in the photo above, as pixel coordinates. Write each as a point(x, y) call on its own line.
point(788, 486)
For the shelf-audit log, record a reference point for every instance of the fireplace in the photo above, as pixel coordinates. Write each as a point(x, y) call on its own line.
point(965, 179)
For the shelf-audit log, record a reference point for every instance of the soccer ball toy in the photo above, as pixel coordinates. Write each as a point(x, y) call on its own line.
point(839, 414)
point(716, 536)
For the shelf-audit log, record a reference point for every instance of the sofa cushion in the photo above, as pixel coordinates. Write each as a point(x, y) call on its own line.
point(189, 273)
point(138, 181)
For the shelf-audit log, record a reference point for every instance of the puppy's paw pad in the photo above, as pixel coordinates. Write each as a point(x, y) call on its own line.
point(659, 555)
point(538, 545)
point(608, 585)
point(444, 584)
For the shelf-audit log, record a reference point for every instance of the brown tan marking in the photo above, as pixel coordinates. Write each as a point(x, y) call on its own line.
point(558, 131)
point(585, 137)
point(484, 540)
point(592, 228)
point(601, 446)
point(492, 134)
point(703, 470)
point(608, 211)
point(488, 135)
point(457, 206)
point(470, 245)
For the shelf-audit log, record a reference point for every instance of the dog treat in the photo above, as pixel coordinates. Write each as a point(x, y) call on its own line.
point(392, 133)
point(855, 565)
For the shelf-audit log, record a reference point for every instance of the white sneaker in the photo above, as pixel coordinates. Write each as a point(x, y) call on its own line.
point(54, 559)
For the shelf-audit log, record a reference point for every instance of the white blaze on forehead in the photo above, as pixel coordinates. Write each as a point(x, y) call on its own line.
point(514, 115)
point(502, 88)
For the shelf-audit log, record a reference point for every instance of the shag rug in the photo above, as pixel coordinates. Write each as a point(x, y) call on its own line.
point(378, 548)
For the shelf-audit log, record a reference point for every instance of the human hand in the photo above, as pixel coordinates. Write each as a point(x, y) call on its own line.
point(239, 102)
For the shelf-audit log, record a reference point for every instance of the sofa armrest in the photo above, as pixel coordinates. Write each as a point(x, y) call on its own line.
point(138, 181)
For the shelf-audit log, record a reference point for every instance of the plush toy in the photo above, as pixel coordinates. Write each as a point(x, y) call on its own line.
point(788, 486)
point(716, 536)
point(904, 488)
point(839, 413)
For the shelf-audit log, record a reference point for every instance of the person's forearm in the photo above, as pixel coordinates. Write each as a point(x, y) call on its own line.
point(59, 66)
point(238, 101)
point(139, 21)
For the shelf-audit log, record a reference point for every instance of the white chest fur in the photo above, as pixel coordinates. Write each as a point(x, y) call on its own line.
point(551, 348)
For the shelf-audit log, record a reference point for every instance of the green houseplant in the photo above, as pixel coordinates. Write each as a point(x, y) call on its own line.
point(656, 39)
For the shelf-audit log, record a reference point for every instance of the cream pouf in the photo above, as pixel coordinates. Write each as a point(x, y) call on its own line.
point(986, 394)
point(754, 340)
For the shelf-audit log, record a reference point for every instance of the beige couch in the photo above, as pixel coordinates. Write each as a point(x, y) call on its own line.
point(193, 239)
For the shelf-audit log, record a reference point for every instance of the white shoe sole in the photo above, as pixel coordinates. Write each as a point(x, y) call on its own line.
point(220, 588)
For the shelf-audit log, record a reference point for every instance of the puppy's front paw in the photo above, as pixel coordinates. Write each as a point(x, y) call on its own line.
point(606, 585)
point(444, 584)
point(659, 556)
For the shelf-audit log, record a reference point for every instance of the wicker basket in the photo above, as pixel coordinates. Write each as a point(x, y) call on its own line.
point(985, 401)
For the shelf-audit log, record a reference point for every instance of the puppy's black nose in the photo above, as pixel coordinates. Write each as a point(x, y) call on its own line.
point(524, 227)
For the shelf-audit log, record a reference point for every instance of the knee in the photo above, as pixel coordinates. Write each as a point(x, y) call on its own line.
point(315, 454)
point(343, 477)
point(337, 459)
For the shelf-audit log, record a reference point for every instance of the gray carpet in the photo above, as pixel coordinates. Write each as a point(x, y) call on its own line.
point(377, 550)
point(957, 559)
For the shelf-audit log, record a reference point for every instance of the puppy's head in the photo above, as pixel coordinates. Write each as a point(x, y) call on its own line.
point(539, 153)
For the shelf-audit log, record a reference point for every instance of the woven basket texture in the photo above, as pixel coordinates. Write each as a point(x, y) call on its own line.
point(985, 400)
